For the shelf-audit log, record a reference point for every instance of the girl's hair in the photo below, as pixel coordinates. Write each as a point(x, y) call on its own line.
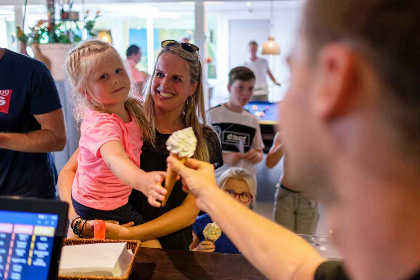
point(239, 174)
point(79, 64)
point(193, 114)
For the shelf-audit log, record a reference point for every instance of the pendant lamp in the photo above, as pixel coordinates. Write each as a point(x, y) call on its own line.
point(271, 46)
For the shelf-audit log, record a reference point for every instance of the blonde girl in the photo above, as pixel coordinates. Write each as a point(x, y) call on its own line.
point(112, 127)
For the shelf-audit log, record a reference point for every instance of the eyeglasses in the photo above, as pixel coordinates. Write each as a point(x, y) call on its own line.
point(244, 197)
point(186, 46)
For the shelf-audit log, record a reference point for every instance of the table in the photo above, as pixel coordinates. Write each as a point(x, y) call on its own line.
point(177, 264)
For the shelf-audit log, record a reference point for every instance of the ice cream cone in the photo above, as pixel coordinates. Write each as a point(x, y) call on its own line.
point(171, 178)
point(212, 232)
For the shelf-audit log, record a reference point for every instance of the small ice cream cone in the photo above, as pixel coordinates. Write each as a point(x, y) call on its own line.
point(212, 232)
point(171, 178)
point(181, 144)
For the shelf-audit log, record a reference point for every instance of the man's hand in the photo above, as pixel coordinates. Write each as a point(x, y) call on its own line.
point(232, 158)
point(197, 176)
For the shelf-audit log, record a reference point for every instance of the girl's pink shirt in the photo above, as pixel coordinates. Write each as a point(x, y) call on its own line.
point(95, 185)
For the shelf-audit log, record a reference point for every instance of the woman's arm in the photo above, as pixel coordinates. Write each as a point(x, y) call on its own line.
point(172, 221)
point(276, 151)
point(65, 181)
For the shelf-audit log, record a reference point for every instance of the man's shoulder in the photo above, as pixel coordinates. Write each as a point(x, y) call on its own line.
point(22, 59)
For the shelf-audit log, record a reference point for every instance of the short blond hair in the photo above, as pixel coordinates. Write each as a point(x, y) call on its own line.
point(239, 174)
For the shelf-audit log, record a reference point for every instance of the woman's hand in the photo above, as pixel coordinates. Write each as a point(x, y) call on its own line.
point(150, 183)
point(205, 246)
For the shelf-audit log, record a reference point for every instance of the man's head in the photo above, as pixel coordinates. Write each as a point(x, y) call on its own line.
point(241, 85)
point(351, 119)
point(134, 53)
point(253, 47)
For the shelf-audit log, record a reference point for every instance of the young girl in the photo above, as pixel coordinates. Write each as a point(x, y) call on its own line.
point(113, 125)
point(240, 185)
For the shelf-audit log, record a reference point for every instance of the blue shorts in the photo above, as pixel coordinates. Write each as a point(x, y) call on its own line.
point(123, 214)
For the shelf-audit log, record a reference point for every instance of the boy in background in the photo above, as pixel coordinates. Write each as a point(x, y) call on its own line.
point(239, 130)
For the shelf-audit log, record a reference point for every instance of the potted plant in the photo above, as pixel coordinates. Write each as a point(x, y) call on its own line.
point(51, 40)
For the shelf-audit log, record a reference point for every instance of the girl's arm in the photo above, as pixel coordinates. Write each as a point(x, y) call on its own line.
point(148, 183)
point(172, 221)
point(195, 242)
point(276, 151)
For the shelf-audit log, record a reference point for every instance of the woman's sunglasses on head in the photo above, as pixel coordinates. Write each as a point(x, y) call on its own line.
point(185, 46)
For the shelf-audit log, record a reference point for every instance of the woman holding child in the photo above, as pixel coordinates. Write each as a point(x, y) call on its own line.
point(174, 100)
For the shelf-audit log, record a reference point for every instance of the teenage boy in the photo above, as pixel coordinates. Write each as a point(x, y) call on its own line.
point(239, 130)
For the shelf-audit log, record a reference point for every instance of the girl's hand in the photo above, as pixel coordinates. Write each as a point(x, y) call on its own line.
point(151, 185)
point(205, 246)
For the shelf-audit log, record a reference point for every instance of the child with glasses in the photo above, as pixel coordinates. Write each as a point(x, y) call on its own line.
point(238, 184)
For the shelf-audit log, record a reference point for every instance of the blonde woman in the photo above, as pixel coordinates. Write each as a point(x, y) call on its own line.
point(174, 100)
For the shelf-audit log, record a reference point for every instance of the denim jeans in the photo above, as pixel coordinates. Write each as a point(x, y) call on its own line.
point(295, 211)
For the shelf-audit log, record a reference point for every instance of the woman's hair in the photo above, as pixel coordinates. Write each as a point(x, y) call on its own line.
point(240, 73)
point(79, 64)
point(240, 174)
point(384, 33)
point(193, 114)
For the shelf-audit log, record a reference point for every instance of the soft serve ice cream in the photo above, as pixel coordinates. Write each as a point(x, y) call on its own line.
point(181, 144)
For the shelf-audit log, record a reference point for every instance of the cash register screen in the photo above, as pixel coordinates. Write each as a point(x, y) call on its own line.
point(26, 244)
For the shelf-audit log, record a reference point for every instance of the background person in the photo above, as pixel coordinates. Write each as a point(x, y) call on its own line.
point(31, 126)
point(239, 130)
point(350, 121)
point(293, 209)
point(174, 100)
point(140, 78)
point(260, 68)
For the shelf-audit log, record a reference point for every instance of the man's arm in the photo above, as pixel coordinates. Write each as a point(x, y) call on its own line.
point(275, 251)
point(272, 78)
point(276, 151)
point(51, 137)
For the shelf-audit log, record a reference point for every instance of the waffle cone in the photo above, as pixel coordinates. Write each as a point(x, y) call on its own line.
point(171, 178)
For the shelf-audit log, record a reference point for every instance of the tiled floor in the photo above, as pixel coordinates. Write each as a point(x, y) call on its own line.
point(266, 209)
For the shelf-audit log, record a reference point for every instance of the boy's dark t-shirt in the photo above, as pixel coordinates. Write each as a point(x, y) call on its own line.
point(26, 89)
point(154, 159)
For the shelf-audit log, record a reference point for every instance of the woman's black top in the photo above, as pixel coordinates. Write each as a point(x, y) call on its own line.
point(152, 159)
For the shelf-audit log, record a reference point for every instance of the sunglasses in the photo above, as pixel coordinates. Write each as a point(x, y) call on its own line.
point(186, 46)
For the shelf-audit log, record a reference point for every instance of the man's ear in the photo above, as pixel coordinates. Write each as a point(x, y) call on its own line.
point(338, 81)
point(228, 87)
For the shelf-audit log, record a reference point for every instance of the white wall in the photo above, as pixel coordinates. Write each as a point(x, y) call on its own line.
point(285, 26)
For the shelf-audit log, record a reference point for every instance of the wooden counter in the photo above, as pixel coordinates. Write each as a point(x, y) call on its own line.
point(177, 264)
